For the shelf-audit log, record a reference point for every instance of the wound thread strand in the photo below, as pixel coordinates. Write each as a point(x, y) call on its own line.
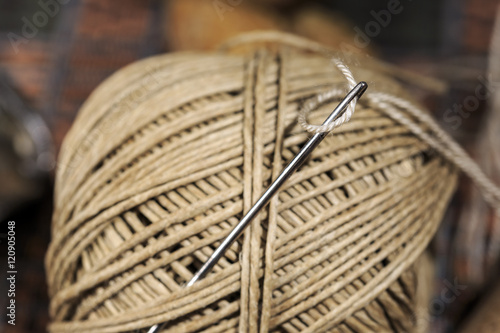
point(395, 107)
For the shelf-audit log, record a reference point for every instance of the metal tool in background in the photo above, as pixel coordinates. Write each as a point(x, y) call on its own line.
point(26, 151)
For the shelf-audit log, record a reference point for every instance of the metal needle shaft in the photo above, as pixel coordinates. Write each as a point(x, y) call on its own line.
point(298, 160)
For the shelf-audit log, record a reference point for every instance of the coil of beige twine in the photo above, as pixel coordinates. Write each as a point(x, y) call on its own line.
point(167, 154)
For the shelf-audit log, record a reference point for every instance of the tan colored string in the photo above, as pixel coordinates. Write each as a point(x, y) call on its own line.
point(437, 139)
point(329, 95)
point(168, 153)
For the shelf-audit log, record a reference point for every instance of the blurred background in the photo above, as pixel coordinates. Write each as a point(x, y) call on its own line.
point(53, 53)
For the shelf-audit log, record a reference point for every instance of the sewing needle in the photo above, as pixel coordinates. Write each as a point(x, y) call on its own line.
point(297, 161)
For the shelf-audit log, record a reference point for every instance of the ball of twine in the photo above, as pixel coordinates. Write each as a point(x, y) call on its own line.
point(168, 153)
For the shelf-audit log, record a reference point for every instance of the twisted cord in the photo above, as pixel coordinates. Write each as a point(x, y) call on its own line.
point(319, 99)
point(392, 106)
point(437, 139)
